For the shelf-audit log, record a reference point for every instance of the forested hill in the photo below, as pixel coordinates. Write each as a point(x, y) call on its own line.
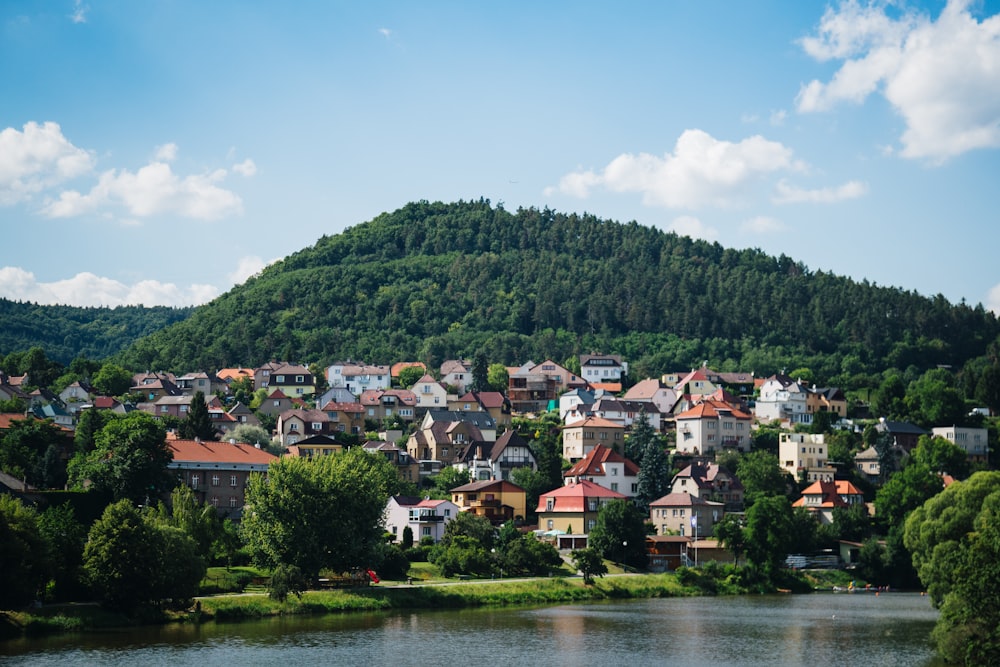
point(432, 281)
point(66, 332)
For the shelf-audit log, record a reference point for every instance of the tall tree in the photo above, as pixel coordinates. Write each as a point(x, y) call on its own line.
point(112, 380)
point(129, 460)
point(198, 425)
point(23, 564)
point(768, 533)
point(323, 513)
point(761, 476)
point(480, 373)
point(654, 476)
point(620, 533)
point(639, 438)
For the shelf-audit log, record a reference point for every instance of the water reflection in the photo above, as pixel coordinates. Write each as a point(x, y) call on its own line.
point(780, 630)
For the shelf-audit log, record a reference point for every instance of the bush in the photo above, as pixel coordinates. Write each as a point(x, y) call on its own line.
point(286, 580)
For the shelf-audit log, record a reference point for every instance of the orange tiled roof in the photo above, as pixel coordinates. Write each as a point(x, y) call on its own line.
point(218, 452)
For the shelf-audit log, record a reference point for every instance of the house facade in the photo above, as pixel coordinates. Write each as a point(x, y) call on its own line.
point(783, 399)
point(805, 456)
point(713, 426)
point(710, 481)
point(358, 377)
point(973, 441)
point(604, 466)
point(431, 394)
point(822, 498)
point(457, 373)
point(497, 500)
point(426, 518)
point(380, 404)
point(572, 509)
point(580, 437)
point(218, 472)
point(684, 514)
point(601, 368)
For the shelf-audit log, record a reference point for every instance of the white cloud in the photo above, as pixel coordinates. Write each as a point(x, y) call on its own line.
point(993, 299)
point(152, 190)
point(385, 32)
point(87, 289)
point(166, 152)
point(687, 225)
point(246, 168)
point(761, 225)
point(789, 194)
point(701, 171)
point(36, 158)
point(778, 117)
point(942, 77)
point(80, 10)
point(248, 266)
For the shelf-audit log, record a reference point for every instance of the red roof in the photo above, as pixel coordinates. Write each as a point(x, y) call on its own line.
point(712, 409)
point(594, 422)
point(573, 497)
point(218, 452)
point(596, 460)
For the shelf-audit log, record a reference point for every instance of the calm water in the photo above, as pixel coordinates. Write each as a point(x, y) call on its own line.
point(821, 629)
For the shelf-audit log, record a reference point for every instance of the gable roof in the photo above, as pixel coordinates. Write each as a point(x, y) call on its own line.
point(573, 497)
point(510, 438)
point(683, 500)
point(593, 422)
point(712, 409)
point(596, 461)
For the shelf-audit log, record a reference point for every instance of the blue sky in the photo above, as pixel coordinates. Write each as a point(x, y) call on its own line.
point(160, 152)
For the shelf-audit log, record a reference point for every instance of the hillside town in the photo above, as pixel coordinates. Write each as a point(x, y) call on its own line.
point(466, 438)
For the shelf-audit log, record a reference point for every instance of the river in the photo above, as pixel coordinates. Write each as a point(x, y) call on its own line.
point(819, 629)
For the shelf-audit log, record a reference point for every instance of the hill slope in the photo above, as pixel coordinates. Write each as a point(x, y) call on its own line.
point(66, 332)
point(432, 281)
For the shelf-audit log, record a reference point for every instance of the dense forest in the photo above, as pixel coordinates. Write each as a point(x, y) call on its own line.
point(68, 332)
point(432, 281)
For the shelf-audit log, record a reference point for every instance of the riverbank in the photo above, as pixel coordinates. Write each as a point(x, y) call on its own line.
point(452, 595)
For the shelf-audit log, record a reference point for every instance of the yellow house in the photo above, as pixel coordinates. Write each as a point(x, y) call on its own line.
point(497, 500)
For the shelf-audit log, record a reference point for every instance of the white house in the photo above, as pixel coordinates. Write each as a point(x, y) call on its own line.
point(358, 377)
point(805, 454)
point(425, 517)
point(782, 398)
point(608, 468)
point(972, 440)
point(431, 394)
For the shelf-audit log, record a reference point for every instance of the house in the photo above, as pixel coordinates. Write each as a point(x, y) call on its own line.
point(481, 420)
point(152, 386)
point(191, 383)
point(973, 441)
point(685, 514)
point(572, 509)
point(536, 387)
point(457, 373)
point(581, 436)
point(381, 404)
point(9, 390)
point(712, 426)
point(179, 406)
point(498, 500)
point(74, 396)
point(262, 374)
point(603, 465)
point(431, 394)
point(241, 414)
point(293, 380)
point(406, 466)
point(868, 464)
point(297, 424)
point(337, 395)
point(782, 399)
point(904, 434)
point(655, 392)
point(53, 411)
point(492, 402)
point(805, 456)
point(821, 498)
point(218, 472)
point(600, 368)
point(667, 552)
point(227, 375)
point(276, 403)
point(827, 399)
point(496, 460)
point(710, 481)
point(358, 377)
point(694, 383)
point(438, 443)
point(426, 518)
point(314, 446)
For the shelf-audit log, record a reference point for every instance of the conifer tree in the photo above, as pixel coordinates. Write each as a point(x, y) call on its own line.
point(198, 425)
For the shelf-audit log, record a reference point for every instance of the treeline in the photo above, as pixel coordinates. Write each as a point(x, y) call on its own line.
point(68, 332)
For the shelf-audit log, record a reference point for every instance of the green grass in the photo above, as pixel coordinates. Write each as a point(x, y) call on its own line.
point(233, 580)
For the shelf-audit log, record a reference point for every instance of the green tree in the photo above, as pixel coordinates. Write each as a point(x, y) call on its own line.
point(768, 534)
point(888, 401)
point(198, 425)
point(448, 479)
point(730, 533)
point(286, 580)
point(241, 389)
point(480, 373)
point(933, 400)
point(131, 561)
point(761, 476)
point(129, 460)
point(528, 555)
point(112, 380)
point(589, 563)
point(477, 528)
point(410, 375)
point(639, 438)
point(23, 561)
point(955, 542)
point(88, 426)
point(407, 537)
point(653, 481)
point(322, 513)
point(23, 447)
point(461, 555)
point(65, 538)
point(941, 456)
point(496, 377)
point(619, 533)
point(251, 434)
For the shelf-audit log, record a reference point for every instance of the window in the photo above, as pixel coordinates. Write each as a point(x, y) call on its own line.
point(425, 531)
point(550, 524)
point(293, 426)
point(194, 481)
point(234, 481)
point(299, 379)
point(590, 524)
point(215, 480)
point(215, 501)
point(184, 409)
point(232, 501)
point(163, 408)
point(276, 403)
point(550, 504)
point(614, 486)
point(592, 505)
point(675, 512)
point(316, 426)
